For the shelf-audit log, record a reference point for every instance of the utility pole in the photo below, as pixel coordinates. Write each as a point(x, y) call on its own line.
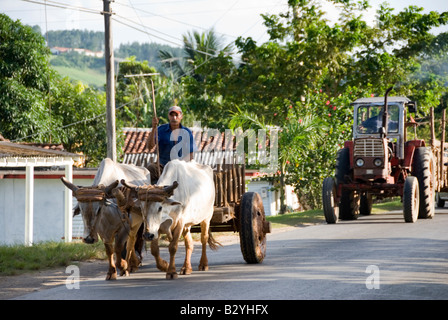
point(110, 83)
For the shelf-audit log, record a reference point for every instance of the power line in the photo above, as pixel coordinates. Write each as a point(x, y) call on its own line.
point(223, 15)
point(175, 20)
point(138, 16)
point(144, 31)
point(64, 6)
point(161, 38)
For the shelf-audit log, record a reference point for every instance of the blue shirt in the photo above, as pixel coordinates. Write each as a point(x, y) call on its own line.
point(170, 149)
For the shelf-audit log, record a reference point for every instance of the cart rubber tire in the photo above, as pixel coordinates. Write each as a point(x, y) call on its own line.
point(331, 211)
point(252, 235)
point(424, 170)
point(411, 196)
point(440, 201)
point(366, 203)
point(349, 205)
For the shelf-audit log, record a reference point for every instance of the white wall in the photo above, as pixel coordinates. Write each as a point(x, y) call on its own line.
point(268, 197)
point(271, 199)
point(48, 210)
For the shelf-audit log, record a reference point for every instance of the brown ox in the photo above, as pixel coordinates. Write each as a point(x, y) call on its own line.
point(101, 215)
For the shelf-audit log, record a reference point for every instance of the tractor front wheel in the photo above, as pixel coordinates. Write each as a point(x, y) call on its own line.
point(410, 199)
point(331, 210)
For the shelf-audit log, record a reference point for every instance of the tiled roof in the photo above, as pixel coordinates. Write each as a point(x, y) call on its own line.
point(209, 143)
point(9, 149)
point(135, 140)
point(46, 146)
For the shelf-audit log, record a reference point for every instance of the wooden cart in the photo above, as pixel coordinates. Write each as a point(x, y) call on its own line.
point(239, 211)
point(440, 149)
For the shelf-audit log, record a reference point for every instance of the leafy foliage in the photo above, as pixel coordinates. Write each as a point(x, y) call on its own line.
point(37, 104)
point(301, 81)
point(311, 68)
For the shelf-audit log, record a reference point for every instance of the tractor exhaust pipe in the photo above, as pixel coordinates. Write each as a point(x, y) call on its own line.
point(385, 115)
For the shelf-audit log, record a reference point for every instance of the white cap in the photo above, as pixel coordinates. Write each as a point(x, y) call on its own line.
point(175, 109)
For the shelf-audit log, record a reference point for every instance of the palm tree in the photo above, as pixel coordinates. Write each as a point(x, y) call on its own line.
point(198, 48)
point(295, 136)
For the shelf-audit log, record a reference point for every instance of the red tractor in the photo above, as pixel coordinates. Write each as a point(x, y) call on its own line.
point(381, 162)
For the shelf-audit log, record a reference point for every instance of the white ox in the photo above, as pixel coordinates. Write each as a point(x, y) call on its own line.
point(102, 216)
point(191, 204)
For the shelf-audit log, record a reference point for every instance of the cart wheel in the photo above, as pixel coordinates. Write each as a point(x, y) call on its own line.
point(440, 201)
point(253, 228)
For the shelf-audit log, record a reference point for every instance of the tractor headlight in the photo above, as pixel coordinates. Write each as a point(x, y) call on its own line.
point(359, 162)
point(378, 162)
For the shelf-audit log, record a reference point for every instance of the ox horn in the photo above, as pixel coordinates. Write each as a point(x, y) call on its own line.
point(110, 187)
point(128, 185)
point(69, 185)
point(170, 189)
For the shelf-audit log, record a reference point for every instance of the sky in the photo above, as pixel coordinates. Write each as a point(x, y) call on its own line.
point(165, 21)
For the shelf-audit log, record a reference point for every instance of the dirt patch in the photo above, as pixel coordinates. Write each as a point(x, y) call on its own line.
point(18, 285)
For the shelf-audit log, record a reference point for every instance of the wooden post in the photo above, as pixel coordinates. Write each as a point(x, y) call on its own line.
point(110, 83)
point(156, 133)
point(442, 153)
point(433, 134)
point(68, 204)
point(29, 205)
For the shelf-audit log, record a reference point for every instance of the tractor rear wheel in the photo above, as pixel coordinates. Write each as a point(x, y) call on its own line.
point(410, 199)
point(424, 170)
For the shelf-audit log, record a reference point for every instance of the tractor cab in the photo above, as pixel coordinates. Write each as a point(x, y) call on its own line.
point(378, 140)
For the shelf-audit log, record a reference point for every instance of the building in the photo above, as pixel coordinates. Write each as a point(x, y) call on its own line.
point(86, 52)
point(34, 204)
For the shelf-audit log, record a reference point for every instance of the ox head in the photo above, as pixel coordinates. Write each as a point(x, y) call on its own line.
point(90, 202)
point(156, 207)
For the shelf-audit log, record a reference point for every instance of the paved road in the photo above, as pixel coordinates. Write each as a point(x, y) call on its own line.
point(376, 257)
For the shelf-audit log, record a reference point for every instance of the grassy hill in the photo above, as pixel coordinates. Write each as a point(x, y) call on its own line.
point(88, 70)
point(91, 77)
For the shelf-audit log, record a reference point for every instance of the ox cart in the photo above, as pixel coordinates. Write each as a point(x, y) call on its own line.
point(441, 154)
point(239, 211)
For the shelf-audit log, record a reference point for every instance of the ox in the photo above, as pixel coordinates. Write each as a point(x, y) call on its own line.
point(191, 204)
point(101, 215)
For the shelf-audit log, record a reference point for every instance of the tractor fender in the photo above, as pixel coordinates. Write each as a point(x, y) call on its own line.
point(349, 145)
point(409, 149)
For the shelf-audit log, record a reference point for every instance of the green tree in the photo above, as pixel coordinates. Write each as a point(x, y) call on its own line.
point(79, 121)
point(24, 80)
point(37, 104)
point(134, 93)
point(311, 66)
